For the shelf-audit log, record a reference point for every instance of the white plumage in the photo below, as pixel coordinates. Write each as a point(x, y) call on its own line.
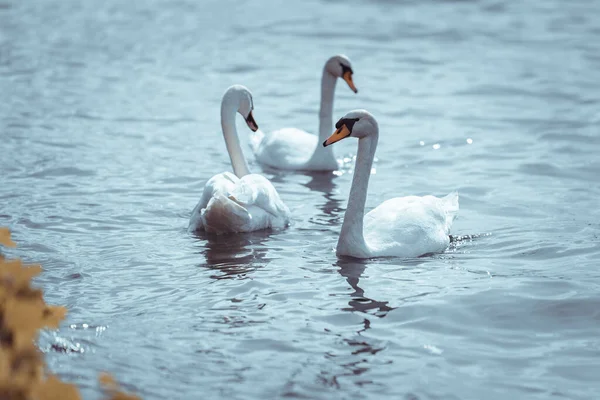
point(404, 227)
point(295, 149)
point(243, 203)
point(410, 226)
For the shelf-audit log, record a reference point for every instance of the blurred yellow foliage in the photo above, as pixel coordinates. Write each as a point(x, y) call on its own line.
point(5, 237)
point(23, 312)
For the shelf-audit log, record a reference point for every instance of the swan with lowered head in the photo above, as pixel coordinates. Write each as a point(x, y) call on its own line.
point(238, 202)
point(404, 227)
point(295, 149)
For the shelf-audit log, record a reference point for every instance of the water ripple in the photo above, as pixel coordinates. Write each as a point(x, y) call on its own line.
point(111, 127)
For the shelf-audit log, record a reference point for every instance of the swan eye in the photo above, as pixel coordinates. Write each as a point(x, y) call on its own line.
point(347, 76)
point(346, 68)
point(349, 122)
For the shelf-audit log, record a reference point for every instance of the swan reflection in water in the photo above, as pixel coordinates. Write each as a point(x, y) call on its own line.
point(324, 182)
point(355, 358)
point(352, 269)
point(363, 348)
point(233, 256)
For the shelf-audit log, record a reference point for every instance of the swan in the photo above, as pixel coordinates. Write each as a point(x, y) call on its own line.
point(295, 149)
point(404, 227)
point(238, 202)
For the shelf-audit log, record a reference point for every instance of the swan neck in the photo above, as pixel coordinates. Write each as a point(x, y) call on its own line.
point(352, 240)
point(328, 83)
point(232, 141)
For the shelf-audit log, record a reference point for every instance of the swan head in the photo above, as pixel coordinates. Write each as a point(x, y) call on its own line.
point(341, 67)
point(357, 123)
point(239, 98)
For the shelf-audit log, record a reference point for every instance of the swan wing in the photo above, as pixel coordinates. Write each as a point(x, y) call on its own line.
point(230, 204)
point(410, 226)
point(287, 148)
point(258, 194)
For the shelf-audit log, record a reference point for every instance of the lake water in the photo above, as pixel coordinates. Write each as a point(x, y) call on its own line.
point(109, 127)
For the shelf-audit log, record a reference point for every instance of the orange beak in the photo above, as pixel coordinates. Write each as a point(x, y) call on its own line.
point(338, 135)
point(348, 78)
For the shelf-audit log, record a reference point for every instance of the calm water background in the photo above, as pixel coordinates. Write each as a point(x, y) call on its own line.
point(109, 127)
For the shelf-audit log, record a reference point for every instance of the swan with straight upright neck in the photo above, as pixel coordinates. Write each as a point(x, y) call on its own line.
point(238, 202)
point(295, 149)
point(404, 227)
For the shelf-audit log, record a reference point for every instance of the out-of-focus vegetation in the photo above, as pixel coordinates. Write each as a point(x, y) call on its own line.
point(23, 312)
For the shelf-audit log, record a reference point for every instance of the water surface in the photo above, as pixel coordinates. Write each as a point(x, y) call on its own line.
point(109, 126)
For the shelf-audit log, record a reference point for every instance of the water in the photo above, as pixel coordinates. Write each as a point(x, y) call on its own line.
point(109, 128)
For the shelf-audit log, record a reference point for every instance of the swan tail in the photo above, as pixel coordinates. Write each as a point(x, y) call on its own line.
point(451, 207)
point(224, 214)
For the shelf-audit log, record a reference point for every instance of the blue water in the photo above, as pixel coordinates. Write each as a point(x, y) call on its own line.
point(109, 127)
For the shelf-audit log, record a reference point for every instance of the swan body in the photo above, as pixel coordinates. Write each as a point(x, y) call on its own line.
point(238, 202)
point(291, 149)
point(405, 227)
point(410, 226)
point(295, 149)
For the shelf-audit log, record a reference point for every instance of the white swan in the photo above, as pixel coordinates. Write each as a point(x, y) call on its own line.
point(295, 149)
point(243, 202)
point(400, 227)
